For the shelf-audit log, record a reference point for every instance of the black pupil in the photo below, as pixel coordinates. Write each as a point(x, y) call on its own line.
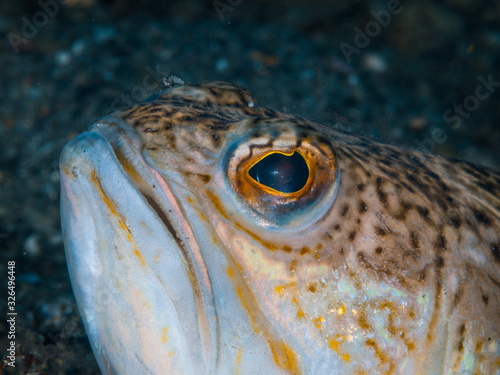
point(283, 173)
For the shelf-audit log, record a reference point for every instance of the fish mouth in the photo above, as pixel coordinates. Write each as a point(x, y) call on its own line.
point(138, 274)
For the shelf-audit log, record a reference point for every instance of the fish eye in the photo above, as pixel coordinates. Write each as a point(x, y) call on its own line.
point(278, 176)
point(281, 172)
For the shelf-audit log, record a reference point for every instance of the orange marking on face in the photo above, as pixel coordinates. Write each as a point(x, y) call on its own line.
point(392, 311)
point(230, 272)
point(239, 354)
point(246, 306)
point(312, 287)
point(129, 169)
point(304, 250)
point(217, 204)
point(300, 312)
point(318, 322)
point(164, 337)
point(219, 207)
point(139, 256)
point(363, 320)
point(200, 214)
point(202, 217)
point(121, 220)
point(282, 354)
point(380, 355)
point(409, 345)
point(280, 289)
point(284, 357)
point(266, 244)
point(335, 344)
point(126, 230)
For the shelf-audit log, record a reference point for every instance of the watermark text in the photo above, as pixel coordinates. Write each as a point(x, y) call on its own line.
point(11, 313)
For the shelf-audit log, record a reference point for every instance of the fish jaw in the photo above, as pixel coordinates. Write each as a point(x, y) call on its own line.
point(119, 269)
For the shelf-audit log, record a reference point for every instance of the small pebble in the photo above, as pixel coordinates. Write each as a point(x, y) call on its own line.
point(221, 65)
point(418, 123)
point(32, 245)
point(63, 58)
point(374, 62)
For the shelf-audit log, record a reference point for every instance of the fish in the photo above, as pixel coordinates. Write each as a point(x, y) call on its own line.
point(206, 234)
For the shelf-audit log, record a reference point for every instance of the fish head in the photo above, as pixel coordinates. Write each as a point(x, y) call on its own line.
point(208, 235)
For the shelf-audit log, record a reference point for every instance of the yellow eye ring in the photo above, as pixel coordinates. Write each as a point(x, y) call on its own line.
point(280, 173)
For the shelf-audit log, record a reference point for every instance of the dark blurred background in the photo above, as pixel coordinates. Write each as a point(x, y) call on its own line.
point(422, 74)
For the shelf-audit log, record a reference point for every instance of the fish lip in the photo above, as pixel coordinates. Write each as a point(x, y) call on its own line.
point(82, 265)
point(122, 138)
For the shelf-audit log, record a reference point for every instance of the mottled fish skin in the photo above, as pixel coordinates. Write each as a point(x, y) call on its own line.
point(386, 262)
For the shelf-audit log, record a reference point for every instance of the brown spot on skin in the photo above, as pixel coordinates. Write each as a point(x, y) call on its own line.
point(379, 250)
point(312, 287)
point(439, 261)
point(380, 231)
point(362, 259)
point(362, 208)
point(482, 218)
point(461, 332)
point(407, 187)
point(455, 221)
point(414, 240)
point(361, 187)
point(345, 209)
point(440, 244)
point(424, 213)
point(336, 227)
point(286, 249)
point(405, 207)
point(205, 178)
point(304, 251)
point(442, 204)
point(495, 251)
point(285, 357)
point(409, 345)
point(457, 297)
point(216, 139)
point(327, 236)
point(352, 235)
point(444, 186)
point(485, 299)
point(382, 195)
point(363, 321)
